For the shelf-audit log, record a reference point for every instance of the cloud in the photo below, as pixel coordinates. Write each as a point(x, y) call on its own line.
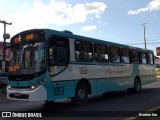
point(40, 14)
point(88, 28)
point(152, 6)
point(24, 6)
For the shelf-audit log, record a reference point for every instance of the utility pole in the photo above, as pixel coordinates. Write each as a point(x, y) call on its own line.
point(144, 35)
point(5, 36)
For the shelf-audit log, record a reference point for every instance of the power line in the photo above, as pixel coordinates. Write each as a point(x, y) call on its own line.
point(151, 41)
point(143, 43)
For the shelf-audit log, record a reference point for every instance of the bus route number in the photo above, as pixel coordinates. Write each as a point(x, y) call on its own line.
point(59, 91)
point(29, 36)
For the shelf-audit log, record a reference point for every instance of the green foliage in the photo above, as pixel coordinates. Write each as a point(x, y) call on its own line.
point(158, 73)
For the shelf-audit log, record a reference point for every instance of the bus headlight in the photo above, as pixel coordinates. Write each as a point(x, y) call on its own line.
point(33, 87)
point(9, 87)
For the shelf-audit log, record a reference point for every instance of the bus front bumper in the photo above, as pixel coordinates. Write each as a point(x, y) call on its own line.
point(39, 94)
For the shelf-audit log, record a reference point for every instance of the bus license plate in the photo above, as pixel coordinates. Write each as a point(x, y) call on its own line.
point(17, 94)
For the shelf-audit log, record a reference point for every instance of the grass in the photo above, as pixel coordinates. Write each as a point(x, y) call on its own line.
point(158, 73)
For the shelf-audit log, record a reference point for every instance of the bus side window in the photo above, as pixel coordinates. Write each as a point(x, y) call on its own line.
point(101, 53)
point(83, 51)
point(144, 57)
point(82, 56)
point(115, 56)
point(51, 60)
point(136, 58)
point(126, 57)
point(151, 58)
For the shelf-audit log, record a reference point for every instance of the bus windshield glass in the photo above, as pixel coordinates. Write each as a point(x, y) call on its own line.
point(28, 59)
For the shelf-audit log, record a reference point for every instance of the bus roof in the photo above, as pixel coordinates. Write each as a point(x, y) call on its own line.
point(69, 34)
point(89, 39)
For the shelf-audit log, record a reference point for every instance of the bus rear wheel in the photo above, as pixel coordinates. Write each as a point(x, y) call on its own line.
point(81, 94)
point(137, 85)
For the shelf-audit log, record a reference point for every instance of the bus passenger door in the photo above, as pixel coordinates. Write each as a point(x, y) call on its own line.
point(58, 62)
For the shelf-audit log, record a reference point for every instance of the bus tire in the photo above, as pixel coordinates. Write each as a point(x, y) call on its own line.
point(4, 88)
point(81, 94)
point(137, 85)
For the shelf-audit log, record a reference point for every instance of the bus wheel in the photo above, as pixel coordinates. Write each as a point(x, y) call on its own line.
point(81, 94)
point(4, 88)
point(137, 85)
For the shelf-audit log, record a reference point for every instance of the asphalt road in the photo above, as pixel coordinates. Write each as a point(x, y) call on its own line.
point(117, 105)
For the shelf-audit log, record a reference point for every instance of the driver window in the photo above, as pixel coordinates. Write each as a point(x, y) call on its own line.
point(58, 54)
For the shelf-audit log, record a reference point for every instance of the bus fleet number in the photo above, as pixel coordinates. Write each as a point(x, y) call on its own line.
point(83, 70)
point(59, 91)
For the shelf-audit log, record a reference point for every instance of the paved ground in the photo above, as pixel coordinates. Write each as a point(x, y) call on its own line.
point(114, 106)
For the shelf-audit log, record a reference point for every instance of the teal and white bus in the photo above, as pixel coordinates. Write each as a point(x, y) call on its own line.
point(47, 65)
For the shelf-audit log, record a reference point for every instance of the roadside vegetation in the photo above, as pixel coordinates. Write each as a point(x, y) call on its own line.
point(158, 73)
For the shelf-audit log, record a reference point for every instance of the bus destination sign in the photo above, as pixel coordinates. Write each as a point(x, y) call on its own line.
point(27, 37)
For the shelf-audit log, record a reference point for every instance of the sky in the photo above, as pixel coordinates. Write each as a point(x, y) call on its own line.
point(119, 21)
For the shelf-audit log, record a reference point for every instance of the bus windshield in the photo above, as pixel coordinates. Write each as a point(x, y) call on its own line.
point(28, 59)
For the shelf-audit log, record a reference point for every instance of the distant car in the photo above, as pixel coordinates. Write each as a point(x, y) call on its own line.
point(158, 69)
point(3, 81)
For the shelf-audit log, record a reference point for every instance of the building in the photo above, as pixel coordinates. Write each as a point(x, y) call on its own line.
point(7, 57)
point(8, 54)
